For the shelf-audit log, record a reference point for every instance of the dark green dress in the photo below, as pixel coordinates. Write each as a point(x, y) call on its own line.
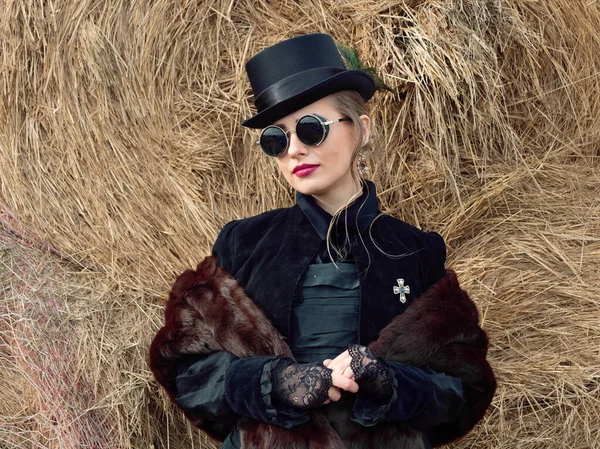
point(326, 320)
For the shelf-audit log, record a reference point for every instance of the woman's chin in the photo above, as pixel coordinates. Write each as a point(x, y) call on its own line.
point(311, 190)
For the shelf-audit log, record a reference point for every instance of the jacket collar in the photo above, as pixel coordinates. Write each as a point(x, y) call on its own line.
point(358, 215)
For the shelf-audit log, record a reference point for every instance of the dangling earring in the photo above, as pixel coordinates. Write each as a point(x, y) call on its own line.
point(363, 167)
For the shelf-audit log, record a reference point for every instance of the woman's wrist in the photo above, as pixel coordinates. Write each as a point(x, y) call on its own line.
point(303, 386)
point(372, 373)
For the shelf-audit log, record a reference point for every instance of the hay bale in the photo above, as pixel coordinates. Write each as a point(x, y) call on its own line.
point(120, 145)
point(71, 355)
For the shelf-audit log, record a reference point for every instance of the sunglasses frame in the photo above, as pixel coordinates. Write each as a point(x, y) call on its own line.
point(322, 120)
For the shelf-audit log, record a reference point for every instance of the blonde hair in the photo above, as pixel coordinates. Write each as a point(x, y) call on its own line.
point(350, 104)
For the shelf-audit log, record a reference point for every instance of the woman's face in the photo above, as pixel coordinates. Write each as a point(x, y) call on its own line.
point(328, 176)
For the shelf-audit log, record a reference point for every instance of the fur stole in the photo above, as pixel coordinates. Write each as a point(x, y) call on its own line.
point(209, 311)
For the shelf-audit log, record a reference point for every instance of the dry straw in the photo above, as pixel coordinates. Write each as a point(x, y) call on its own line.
point(121, 153)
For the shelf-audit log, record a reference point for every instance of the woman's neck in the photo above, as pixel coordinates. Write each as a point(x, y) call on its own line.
point(336, 199)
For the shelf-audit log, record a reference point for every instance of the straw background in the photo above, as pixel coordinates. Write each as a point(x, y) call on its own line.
point(121, 156)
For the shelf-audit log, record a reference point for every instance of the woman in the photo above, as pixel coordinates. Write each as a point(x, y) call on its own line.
point(326, 345)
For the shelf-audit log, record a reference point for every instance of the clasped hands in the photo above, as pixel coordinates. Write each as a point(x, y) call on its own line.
point(310, 385)
point(342, 376)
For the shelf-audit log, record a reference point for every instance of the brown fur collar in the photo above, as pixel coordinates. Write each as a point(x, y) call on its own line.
point(209, 311)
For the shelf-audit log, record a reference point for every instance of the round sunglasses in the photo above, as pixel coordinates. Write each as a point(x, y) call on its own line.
point(311, 129)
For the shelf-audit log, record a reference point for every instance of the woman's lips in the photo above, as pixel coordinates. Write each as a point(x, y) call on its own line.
point(304, 169)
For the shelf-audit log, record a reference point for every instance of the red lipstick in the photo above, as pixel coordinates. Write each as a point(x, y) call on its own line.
point(301, 170)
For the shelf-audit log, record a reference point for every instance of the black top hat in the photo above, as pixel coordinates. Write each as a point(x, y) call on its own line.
point(297, 72)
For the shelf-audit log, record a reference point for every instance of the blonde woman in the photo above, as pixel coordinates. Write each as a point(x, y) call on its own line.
point(325, 324)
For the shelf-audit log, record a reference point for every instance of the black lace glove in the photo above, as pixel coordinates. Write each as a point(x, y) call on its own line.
point(371, 372)
point(304, 386)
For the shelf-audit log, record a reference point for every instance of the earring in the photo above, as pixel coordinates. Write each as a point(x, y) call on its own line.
point(363, 167)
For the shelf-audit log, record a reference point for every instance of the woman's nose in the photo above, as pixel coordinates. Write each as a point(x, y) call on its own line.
point(296, 147)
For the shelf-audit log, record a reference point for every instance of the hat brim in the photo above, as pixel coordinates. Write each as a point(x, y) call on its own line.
point(357, 80)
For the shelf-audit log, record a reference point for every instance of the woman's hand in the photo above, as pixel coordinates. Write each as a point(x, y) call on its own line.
point(308, 385)
point(361, 365)
point(342, 376)
point(340, 382)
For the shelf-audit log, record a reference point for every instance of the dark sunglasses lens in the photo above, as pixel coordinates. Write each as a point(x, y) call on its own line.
point(309, 130)
point(273, 141)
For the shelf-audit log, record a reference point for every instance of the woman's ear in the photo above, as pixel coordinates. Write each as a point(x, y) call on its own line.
point(365, 123)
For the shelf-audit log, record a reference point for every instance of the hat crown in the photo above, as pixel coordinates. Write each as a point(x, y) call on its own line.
point(297, 72)
point(291, 57)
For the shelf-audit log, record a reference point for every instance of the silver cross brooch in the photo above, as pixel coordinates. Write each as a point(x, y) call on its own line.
point(401, 289)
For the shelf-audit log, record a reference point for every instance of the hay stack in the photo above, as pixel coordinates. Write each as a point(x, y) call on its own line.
point(120, 146)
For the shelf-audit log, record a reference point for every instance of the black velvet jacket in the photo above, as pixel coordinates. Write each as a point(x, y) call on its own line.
point(269, 253)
